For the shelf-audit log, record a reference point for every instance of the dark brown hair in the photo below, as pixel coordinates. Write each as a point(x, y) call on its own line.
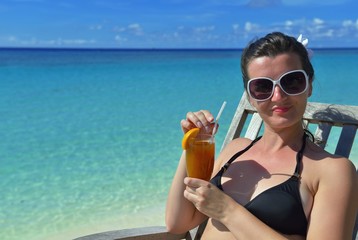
point(272, 45)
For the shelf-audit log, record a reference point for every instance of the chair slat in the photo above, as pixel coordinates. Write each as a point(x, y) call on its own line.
point(339, 115)
point(237, 124)
point(254, 127)
point(146, 233)
point(322, 132)
point(346, 140)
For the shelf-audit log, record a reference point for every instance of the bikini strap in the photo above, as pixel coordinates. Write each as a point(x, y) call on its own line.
point(299, 156)
point(236, 155)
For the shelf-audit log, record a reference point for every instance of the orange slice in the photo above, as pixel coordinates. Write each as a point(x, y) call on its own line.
point(189, 134)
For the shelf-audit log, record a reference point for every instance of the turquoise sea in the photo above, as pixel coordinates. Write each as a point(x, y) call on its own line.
point(90, 139)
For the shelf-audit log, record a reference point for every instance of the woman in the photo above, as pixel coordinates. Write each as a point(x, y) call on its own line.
point(279, 186)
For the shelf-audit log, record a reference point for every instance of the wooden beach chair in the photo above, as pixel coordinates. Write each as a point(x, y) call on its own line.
point(320, 118)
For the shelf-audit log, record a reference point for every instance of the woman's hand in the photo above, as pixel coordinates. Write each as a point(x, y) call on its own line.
point(207, 198)
point(202, 119)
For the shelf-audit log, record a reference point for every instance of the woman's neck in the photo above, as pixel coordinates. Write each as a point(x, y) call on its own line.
point(276, 139)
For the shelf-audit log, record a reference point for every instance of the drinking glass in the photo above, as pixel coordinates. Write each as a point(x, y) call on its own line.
point(200, 156)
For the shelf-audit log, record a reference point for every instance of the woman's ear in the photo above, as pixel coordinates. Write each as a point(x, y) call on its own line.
point(310, 89)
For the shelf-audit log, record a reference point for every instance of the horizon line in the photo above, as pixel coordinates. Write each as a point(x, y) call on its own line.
point(153, 48)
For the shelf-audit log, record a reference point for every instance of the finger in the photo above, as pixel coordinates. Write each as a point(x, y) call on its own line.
point(203, 120)
point(208, 115)
point(194, 119)
point(209, 126)
point(191, 190)
point(206, 118)
point(195, 182)
point(186, 125)
point(190, 196)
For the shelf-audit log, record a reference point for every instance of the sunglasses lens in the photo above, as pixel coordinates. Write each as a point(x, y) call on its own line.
point(294, 83)
point(260, 88)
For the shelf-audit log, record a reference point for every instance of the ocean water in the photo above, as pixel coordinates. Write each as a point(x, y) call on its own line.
point(90, 139)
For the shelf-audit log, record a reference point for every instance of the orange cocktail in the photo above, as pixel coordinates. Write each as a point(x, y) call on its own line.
point(200, 155)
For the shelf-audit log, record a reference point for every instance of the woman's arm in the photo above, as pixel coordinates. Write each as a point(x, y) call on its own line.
point(181, 215)
point(335, 202)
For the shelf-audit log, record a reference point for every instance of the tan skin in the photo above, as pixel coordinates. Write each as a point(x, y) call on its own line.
point(328, 183)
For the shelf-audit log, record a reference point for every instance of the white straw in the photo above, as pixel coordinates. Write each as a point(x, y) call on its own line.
point(218, 116)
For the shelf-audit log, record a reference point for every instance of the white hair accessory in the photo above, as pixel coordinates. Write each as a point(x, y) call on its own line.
point(304, 42)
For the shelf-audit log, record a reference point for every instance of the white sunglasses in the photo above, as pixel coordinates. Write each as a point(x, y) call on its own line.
point(292, 83)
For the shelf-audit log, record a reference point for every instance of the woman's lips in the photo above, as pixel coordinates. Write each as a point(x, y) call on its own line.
point(280, 109)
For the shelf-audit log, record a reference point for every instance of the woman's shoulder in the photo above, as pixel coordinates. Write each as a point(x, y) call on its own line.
point(335, 165)
point(329, 160)
point(232, 148)
point(326, 166)
point(237, 144)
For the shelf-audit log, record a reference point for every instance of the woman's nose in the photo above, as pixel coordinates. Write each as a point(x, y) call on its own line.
point(278, 94)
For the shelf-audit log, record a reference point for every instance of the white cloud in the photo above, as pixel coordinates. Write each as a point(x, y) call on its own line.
point(348, 30)
point(320, 32)
point(347, 23)
point(350, 24)
point(228, 2)
point(30, 1)
point(236, 28)
point(33, 42)
point(328, 33)
point(249, 26)
point(77, 41)
point(135, 28)
point(318, 21)
point(66, 42)
point(120, 39)
point(313, 2)
point(289, 23)
point(204, 29)
point(13, 40)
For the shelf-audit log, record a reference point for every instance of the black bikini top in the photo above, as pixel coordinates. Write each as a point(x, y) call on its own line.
point(280, 207)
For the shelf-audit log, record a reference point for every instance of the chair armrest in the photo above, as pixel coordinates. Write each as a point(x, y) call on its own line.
point(157, 232)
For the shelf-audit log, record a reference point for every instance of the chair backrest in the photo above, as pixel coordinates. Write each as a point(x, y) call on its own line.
point(319, 118)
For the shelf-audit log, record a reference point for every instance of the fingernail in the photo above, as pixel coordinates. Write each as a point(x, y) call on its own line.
point(185, 180)
point(207, 129)
point(199, 124)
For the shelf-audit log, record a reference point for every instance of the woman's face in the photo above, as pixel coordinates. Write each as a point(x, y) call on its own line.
point(281, 110)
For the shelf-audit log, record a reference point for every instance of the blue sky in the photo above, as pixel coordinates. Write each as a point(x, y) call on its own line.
point(174, 23)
